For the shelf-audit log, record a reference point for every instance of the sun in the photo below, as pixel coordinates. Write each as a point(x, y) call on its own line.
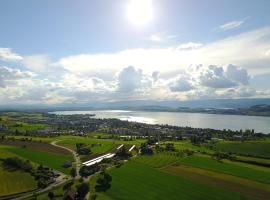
point(140, 12)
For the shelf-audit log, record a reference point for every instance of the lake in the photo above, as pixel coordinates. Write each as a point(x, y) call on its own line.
point(196, 120)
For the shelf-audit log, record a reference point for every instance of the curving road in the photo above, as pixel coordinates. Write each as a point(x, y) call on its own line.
point(60, 180)
point(75, 155)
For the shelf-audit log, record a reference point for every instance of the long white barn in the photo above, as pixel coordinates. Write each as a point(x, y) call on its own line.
point(98, 159)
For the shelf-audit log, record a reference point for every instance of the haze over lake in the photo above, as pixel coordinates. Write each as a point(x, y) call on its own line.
point(196, 120)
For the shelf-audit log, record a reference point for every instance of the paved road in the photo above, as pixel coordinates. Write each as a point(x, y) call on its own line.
point(75, 155)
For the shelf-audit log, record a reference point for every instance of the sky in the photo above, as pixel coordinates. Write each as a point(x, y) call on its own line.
point(66, 51)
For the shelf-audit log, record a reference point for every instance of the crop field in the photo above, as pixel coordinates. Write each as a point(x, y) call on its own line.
point(158, 160)
point(250, 148)
point(52, 160)
point(35, 145)
point(260, 174)
point(233, 183)
point(135, 181)
point(12, 182)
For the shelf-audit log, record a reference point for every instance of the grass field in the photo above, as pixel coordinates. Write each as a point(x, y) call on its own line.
point(157, 160)
point(23, 127)
point(139, 181)
point(52, 160)
point(105, 145)
point(229, 182)
point(250, 148)
point(260, 174)
point(15, 182)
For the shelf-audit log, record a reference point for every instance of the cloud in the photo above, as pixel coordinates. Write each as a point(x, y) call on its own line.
point(237, 74)
point(189, 45)
point(246, 50)
point(180, 83)
point(230, 25)
point(10, 76)
point(7, 55)
point(162, 37)
point(36, 63)
point(155, 38)
point(131, 79)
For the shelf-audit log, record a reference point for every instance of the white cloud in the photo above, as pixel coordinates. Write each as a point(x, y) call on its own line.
point(189, 45)
point(155, 38)
point(230, 25)
point(181, 83)
point(246, 50)
point(131, 79)
point(237, 74)
point(6, 54)
point(36, 63)
point(10, 76)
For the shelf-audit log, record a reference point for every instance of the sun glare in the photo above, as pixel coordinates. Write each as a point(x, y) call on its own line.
point(140, 12)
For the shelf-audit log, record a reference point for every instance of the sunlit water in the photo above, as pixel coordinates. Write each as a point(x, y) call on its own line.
point(196, 120)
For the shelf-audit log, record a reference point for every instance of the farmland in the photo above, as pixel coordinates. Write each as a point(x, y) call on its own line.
point(159, 167)
point(52, 160)
point(250, 148)
point(139, 181)
point(260, 174)
point(158, 160)
point(96, 145)
point(13, 182)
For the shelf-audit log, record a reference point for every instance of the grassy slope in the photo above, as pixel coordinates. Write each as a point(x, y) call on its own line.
point(157, 160)
point(260, 174)
point(252, 148)
point(51, 160)
point(12, 182)
point(138, 181)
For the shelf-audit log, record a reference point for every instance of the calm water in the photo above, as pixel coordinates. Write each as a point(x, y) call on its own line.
point(197, 120)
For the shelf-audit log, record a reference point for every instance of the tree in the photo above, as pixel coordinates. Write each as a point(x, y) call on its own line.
point(51, 195)
point(123, 153)
point(170, 147)
point(145, 149)
point(82, 191)
point(89, 170)
point(73, 172)
point(103, 182)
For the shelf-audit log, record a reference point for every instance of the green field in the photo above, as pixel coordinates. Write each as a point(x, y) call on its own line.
point(158, 160)
point(12, 182)
point(139, 181)
point(260, 174)
point(54, 161)
point(250, 148)
point(105, 145)
point(23, 127)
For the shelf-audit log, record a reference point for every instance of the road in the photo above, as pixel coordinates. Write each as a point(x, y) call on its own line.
point(75, 155)
point(61, 179)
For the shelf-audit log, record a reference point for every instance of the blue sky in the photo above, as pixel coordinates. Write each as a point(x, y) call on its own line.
point(80, 51)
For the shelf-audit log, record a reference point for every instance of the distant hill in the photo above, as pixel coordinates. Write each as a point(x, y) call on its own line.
point(147, 105)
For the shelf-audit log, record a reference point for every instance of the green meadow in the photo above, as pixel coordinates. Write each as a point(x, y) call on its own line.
point(52, 160)
point(99, 146)
point(157, 160)
point(260, 174)
point(248, 148)
point(136, 180)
